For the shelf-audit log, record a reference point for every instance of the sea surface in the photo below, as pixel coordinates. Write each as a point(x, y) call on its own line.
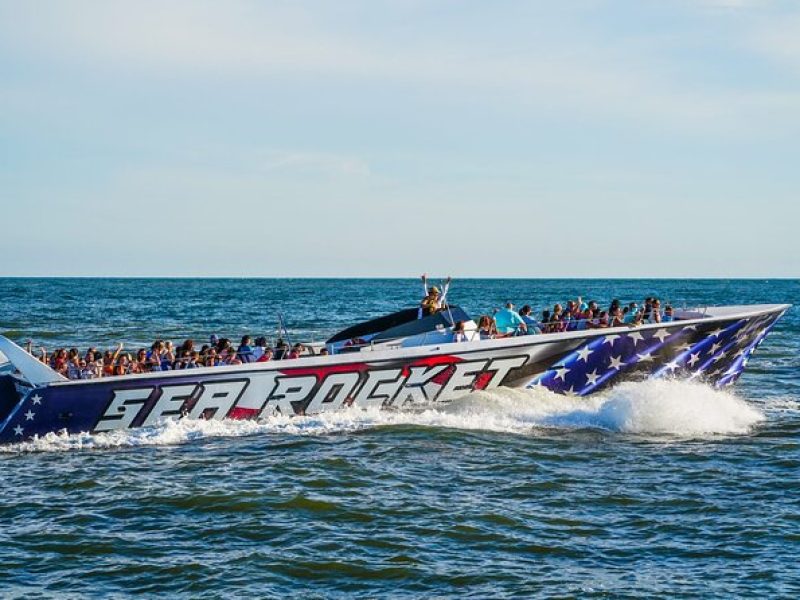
point(655, 489)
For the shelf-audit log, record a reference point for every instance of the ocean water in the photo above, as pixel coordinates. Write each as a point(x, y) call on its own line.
point(661, 488)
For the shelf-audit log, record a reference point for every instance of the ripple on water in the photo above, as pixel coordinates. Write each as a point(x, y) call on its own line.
point(650, 490)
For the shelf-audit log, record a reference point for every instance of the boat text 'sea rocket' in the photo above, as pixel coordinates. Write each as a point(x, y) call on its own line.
point(392, 361)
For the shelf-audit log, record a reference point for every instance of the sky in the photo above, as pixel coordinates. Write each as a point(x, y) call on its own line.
point(591, 138)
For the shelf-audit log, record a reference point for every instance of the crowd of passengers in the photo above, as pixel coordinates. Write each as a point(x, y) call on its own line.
point(575, 315)
point(164, 356)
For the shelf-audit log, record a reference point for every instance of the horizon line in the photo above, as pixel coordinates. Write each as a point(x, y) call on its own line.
point(407, 277)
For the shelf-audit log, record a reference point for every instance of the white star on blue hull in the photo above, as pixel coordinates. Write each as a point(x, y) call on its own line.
point(636, 336)
point(616, 363)
point(661, 335)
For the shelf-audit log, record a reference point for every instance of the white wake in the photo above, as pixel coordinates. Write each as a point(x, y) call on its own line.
point(657, 407)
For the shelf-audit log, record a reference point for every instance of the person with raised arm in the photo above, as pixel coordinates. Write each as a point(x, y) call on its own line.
point(433, 301)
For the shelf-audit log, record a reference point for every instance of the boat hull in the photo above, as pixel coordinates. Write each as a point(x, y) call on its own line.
point(714, 350)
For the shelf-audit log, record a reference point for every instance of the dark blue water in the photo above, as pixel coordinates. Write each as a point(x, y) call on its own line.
point(658, 488)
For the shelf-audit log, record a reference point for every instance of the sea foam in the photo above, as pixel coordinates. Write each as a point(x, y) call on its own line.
point(658, 407)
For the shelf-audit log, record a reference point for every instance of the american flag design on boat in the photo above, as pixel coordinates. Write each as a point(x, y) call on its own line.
point(715, 354)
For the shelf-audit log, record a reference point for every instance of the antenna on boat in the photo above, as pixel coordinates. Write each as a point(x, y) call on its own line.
point(282, 328)
point(446, 288)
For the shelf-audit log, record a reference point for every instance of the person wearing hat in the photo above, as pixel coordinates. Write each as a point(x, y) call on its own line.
point(432, 302)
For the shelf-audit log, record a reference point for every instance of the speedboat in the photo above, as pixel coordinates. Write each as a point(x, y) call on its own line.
point(392, 361)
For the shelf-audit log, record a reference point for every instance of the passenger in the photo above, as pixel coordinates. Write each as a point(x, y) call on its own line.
point(245, 350)
point(648, 308)
point(141, 360)
point(668, 315)
point(224, 350)
point(97, 365)
point(459, 334)
point(137, 361)
point(630, 313)
point(508, 322)
point(600, 322)
point(296, 352)
point(588, 314)
point(655, 313)
point(108, 363)
point(566, 318)
point(432, 302)
point(485, 327)
point(110, 360)
point(638, 319)
point(89, 356)
point(153, 359)
point(259, 348)
point(58, 361)
point(193, 362)
point(266, 355)
point(617, 318)
point(122, 365)
point(73, 365)
point(545, 322)
point(282, 349)
point(211, 358)
point(556, 319)
point(168, 356)
point(582, 319)
point(182, 356)
point(324, 352)
point(87, 369)
point(531, 323)
point(569, 318)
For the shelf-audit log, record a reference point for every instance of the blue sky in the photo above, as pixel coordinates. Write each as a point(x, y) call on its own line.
point(607, 139)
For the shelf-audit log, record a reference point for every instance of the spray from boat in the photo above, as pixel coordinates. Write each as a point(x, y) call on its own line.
point(660, 409)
